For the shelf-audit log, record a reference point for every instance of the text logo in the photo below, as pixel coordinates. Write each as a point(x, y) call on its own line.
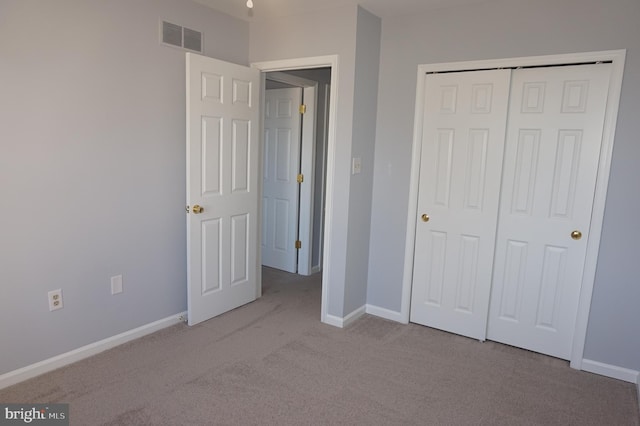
point(34, 414)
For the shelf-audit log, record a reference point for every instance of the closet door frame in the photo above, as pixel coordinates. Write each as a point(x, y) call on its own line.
point(617, 59)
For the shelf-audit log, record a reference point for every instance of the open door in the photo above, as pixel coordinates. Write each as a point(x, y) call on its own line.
point(280, 188)
point(222, 186)
point(283, 219)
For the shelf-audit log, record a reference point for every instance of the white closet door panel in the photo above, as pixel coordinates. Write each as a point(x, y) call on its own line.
point(462, 150)
point(556, 117)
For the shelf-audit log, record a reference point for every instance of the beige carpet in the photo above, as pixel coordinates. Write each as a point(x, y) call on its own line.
point(273, 363)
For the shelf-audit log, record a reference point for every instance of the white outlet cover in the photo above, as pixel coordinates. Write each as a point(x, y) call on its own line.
point(55, 300)
point(116, 284)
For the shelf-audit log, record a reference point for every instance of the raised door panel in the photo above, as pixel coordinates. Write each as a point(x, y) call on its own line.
point(239, 249)
point(211, 259)
point(467, 274)
point(508, 299)
point(443, 166)
point(240, 156)
point(282, 167)
point(211, 155)
point(476, 167)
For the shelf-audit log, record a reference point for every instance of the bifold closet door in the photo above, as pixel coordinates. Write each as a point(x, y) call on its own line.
point(462, 149)
point(554, 134)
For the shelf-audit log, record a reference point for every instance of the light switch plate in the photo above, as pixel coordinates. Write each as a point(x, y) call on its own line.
point(116, 284)
point(356, 165)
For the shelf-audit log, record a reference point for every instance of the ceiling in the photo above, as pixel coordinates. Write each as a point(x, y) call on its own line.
point(266, 9)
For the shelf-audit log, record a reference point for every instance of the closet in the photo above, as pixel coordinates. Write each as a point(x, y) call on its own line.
point(508, 167)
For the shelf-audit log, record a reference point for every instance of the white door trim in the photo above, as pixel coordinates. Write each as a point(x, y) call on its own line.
point(323, 108)
point(291, 79)
point(307, 162)
point(617, 58)
point(318, 62)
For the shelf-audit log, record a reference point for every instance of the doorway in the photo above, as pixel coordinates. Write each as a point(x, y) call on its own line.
point(224, 186)
point(294, 168)
point(330, 62)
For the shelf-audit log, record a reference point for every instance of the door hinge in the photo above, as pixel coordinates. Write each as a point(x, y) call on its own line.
point(300, 178)
point(303, 109)
point(298, 244)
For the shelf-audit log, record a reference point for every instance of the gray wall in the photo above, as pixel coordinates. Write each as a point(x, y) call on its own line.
point(502, 29)
point(328, 32)
point(363, 145)
point(92, 166)
point(354, 35)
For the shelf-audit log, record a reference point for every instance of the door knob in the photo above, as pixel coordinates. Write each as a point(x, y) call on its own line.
point(197, 209)
point(425, 218)
point(576, 235)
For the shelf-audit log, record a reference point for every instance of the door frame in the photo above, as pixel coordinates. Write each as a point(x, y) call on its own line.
point(617, 59)
point(323, 109)
point(305, 63)
point(307, 142)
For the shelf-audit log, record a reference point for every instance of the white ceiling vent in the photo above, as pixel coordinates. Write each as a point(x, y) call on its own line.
point(186, 38)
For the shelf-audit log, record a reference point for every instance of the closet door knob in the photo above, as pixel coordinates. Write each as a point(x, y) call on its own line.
point(576, 235)
point(425, 218)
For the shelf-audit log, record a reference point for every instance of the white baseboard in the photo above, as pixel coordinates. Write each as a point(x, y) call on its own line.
point(612, 371)
point(354, 315)
point(385, 313)
point(315, 269)
point(333, 320)
point(33, 370)
point(343, 322)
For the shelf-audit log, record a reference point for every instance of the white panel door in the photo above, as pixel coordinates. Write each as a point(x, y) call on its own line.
point(222, 179)
point(554, 135)
point(462, 150)
point(280, 192)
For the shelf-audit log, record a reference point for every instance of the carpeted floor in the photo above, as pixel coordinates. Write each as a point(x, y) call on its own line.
point(273, 363)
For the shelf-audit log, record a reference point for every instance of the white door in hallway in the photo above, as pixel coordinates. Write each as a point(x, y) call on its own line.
point(280, 198)
point(461, 159)
point(222, 186)
point(554, 135)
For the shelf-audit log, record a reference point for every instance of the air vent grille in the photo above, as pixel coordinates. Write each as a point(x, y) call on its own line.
point(172, 34)
point(186, 38)
point(192, 40)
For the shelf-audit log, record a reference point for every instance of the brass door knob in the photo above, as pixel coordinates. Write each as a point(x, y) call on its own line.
point(425, 218)
point(576, 235)
point(197, 209)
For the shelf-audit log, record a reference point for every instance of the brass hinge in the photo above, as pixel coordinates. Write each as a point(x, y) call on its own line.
point(298, 244)
point(300, 178)
point(302, 109)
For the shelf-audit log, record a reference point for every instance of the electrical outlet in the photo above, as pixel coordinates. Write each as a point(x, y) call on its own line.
point(55, 300)
point(116, 284)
